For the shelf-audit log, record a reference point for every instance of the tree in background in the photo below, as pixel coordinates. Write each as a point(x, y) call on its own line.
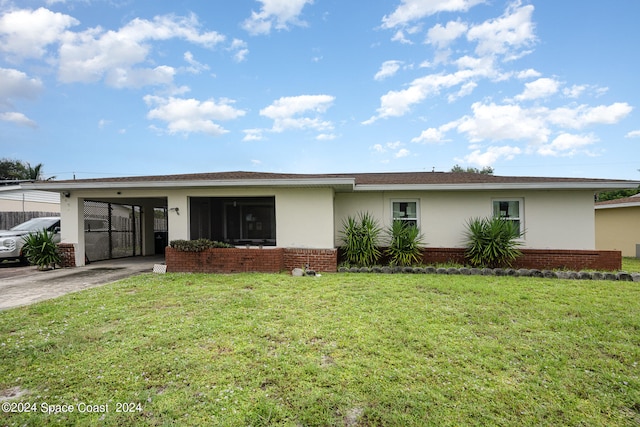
point(487, 170)
point(16, 170)
point(617, 194)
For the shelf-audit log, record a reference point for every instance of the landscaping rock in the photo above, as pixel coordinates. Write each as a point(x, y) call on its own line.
point(487, 272)
point(475, 271)
point(635, 277)
point(441, 270)
point(418, 270)
point(343, 269)
point(498, 272)
point(453, 270)
point(585, 275)
point(465, 271)
point(430, 270)
point(387, 270)
point(364, 270)
point(624, 276)
point(297, 272)
point(407, 270)
point(376, 269)
point(536, 273)
point(354, 270)
point(509, 272)
point(610, 276)
point(523, 272)
point(548, 274)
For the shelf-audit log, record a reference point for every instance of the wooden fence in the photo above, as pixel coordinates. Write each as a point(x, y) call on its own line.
point(11, 219)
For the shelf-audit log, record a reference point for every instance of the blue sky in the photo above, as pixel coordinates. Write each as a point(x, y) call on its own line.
point(101, 88)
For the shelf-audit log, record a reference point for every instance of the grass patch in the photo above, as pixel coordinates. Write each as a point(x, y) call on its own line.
point(631, 265)
point(356, 350)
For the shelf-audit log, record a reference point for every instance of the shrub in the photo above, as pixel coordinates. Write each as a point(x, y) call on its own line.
point(361, 237)
point(405, 247)
point(492, 242)
point(40, 249)
point(198, 245)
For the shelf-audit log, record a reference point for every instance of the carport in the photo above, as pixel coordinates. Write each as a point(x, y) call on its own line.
point(108, 220)
point(115, 228)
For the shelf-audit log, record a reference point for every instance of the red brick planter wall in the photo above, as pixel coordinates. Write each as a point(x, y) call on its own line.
point(540, 258)
point(240, 260)
point(325, 260)
point(67, 255)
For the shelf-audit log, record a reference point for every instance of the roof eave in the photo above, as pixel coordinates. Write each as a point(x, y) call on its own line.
point(338, 183)
point(589, 185)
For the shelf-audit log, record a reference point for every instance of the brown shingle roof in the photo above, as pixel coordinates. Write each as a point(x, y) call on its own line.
point(382, 178)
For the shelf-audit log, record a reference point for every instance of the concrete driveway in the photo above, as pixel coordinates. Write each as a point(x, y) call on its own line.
point(26, 285)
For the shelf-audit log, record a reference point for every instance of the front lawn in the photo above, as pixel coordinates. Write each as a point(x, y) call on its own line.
point(340, 349)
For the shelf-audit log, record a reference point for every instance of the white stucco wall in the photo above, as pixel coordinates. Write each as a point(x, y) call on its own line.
point(552, 219)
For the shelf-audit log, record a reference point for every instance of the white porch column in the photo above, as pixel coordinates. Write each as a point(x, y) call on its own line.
point(72, 224)
point(178, 216)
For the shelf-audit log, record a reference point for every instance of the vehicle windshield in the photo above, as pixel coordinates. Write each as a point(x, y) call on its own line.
point(35, 224)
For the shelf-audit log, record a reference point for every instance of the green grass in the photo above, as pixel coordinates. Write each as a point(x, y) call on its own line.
point(631, 265)
point(355, 350)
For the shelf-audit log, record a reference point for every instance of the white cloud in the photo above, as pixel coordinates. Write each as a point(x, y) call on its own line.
point(18, 119)
point(398, 103)
point(441, 36)
point(411, 10)
point(387, 69)
point(290, 113)
point(16, 84)
point(239, 47)
point(252, 135)
point(403, 152)
point(26, 33)
point(195, 66)
point(633, 134)
point(578, 117)
point(504, 122)
point(541, 88)
point(278, 14)
point(191, 115)
point(491, 155)
point(94, 54)
point(326, 137)
point(430, 136)
point(566, 144)
point(505, 35)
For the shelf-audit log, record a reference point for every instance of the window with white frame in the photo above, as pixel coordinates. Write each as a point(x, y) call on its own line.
point(406, 211)
point(509, 210)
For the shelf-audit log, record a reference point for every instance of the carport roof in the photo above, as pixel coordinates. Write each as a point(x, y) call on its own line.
point(341, 181)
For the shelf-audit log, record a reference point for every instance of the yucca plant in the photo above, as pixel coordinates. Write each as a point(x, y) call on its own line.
point(361, 238)
point(492, 242)
point(405, 246)
point(41, 250)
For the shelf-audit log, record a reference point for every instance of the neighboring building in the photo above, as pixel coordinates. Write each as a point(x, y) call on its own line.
point(305, 211)
point(18, 205)
point(618, 225)
point(13, 198)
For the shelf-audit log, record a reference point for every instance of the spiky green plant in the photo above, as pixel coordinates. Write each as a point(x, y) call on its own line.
point(41, 249)
point(361, 238)
point(492, 242)
point(405, 246)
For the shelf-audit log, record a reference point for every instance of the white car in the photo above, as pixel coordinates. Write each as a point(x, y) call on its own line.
point(11, 241)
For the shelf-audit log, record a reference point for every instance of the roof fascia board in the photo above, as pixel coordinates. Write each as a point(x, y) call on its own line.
point(348, 183)
point(595, 186)
point(619, 205)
